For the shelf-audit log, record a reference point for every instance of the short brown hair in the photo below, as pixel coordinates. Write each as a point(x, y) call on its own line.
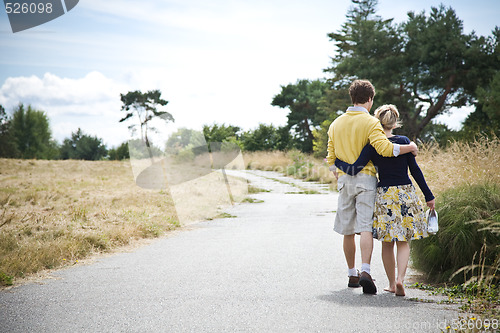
point(361, 91)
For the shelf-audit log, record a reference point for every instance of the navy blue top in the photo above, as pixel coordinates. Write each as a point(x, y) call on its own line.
point(392, 171)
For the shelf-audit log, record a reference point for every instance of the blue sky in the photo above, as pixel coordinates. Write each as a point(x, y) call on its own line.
point(214, 61)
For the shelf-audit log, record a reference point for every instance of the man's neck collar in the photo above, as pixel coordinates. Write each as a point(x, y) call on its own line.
point(357, 108)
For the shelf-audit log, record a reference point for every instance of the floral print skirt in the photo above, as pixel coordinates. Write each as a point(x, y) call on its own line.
point(399, 214)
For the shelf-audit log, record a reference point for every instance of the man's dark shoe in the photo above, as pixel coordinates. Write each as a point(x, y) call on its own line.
point(366, 281)
point(354, 282)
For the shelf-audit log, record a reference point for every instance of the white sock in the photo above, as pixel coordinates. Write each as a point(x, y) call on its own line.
point(365, 268)
point(352, 272)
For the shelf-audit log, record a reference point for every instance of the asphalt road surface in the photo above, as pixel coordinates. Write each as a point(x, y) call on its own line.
point(277, 266)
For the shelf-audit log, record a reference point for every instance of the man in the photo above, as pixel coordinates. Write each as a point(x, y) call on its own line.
point(347, 136)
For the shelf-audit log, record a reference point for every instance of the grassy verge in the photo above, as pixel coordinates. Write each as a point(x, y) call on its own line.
point(53, 213)
point(472, 297)
point(480, 306)
point(466, 248)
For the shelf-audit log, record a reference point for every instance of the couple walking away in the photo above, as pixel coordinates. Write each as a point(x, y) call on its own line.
point(390, 210)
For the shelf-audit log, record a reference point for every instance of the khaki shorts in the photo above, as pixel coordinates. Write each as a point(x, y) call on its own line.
point(356, 204)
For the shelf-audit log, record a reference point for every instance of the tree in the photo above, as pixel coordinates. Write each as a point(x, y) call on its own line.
point(368, 47)
point(266, 137)
point(285, 141)
point(145, 107)
point(489, 98)
point(485, 120)
point(221, 133)
point(31, 132)
point(441, 62)
point(424, 66)
point(119, 153)
point(320, 134)
point(83, 147)
point(185, 139)
point(138, 151)
point(8, 146)
point(303, 100)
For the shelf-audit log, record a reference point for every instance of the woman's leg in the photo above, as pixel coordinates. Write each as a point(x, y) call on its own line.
point(402, 259)
point(389, 265)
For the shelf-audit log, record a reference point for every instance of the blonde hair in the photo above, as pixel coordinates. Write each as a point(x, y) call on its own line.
point(388, 115)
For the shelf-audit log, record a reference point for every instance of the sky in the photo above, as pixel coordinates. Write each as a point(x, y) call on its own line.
point(215, 61)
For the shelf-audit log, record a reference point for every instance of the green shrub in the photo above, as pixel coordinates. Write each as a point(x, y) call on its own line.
point(468, 236)
point(6, 280)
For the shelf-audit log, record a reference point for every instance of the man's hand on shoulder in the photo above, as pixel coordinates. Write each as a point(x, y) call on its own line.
point(414, 147)
point(409, 148)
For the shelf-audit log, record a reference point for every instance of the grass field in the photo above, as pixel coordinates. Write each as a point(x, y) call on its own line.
point(53, 213)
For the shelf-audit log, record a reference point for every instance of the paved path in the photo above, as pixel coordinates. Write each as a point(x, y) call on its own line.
point(276, 267)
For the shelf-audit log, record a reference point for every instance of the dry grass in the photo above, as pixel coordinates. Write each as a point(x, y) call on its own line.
point(56, 212)
point(267, 160)
point(459, 163)
point(197, 190)
point(53, 213)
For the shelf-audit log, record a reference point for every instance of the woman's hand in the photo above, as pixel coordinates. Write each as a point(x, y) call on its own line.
point(431, 204)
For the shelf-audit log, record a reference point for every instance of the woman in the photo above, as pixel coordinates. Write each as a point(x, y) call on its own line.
point(399, 216)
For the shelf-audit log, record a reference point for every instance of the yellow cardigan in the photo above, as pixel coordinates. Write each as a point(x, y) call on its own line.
point(350, 132)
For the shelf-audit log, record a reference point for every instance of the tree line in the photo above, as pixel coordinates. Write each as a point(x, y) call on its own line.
point(26, 134)
point(425, 65)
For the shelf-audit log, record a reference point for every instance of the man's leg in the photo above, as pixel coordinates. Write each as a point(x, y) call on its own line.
point(366, 245)
point(365, 202)
point(345, 225)
point(365, 279)
point(350, 251)
point(350, 257)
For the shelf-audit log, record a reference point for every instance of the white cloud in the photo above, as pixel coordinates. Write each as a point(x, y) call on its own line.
point(91, 103)
point(90, 95)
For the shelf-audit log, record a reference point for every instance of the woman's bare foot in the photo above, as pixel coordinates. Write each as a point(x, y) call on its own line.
point(390, 289)
point(400, 289)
